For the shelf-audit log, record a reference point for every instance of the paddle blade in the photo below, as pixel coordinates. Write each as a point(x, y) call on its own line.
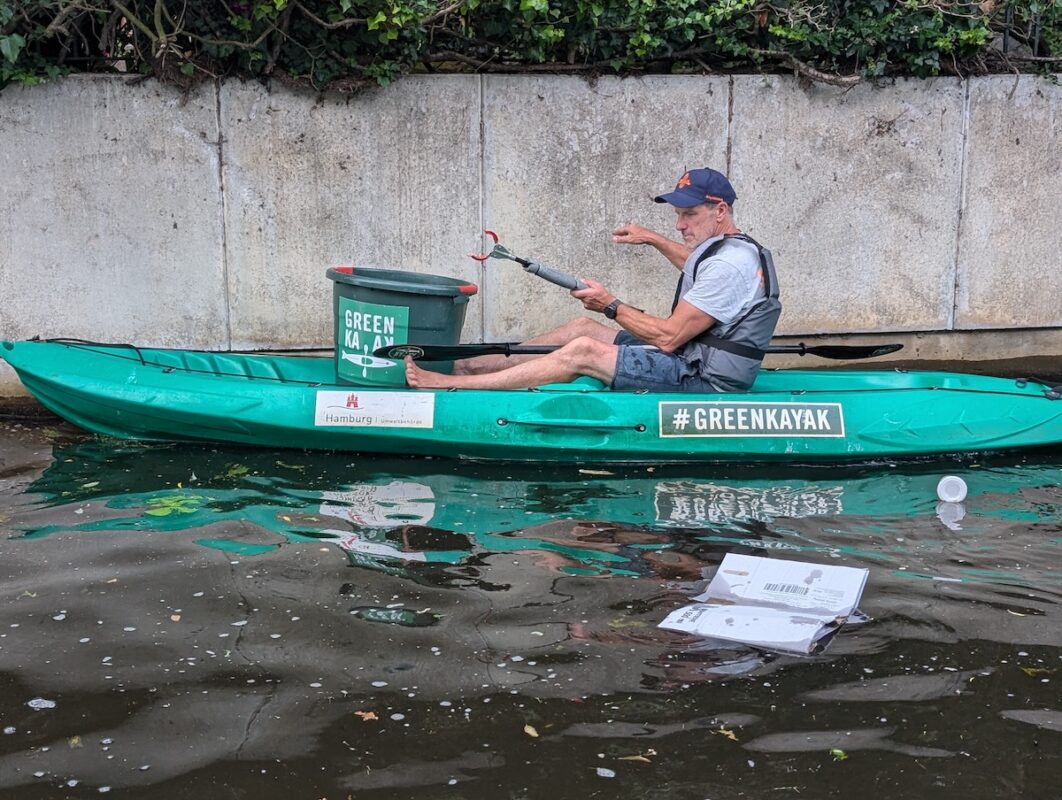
point(884, 350)
point(837, 351)
point(853, 351)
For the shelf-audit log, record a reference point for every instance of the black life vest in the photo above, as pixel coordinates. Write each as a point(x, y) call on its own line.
point(732, 359)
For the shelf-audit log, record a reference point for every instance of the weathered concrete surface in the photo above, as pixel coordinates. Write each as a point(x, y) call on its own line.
point(127, 217)
point(856, 193)
point(110, 217)
point(565, 162)
point(1010, 253)
point(388, 178)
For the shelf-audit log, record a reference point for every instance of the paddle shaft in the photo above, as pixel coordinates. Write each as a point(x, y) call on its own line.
point(454, 352)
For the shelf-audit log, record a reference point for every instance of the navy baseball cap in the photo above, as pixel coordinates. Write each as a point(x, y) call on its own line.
point(699, 186)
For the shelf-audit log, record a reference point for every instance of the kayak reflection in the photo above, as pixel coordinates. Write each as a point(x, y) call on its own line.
point(390, 513)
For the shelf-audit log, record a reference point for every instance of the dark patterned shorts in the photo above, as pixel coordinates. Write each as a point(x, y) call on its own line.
point(654, 370)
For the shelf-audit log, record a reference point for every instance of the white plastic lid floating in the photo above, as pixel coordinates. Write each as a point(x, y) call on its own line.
point(951, 489)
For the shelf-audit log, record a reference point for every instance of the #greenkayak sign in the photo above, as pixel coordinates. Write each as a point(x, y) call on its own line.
point(363, 327)
point(736, 418)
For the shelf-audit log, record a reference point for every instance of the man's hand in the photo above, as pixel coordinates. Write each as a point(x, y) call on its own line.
point(595, 297)
point(675, 252)
point(634, 234)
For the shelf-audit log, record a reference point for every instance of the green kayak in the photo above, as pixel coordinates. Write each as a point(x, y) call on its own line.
point(293, 402)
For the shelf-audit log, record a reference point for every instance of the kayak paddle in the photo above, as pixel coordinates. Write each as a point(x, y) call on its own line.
point(454, 352)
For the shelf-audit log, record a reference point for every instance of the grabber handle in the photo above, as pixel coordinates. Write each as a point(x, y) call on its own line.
point(553, 275)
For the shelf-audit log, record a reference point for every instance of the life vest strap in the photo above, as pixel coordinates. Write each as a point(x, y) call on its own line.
point(738, 349)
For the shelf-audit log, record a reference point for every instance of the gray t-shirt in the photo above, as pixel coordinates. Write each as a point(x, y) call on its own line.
point(728, 284)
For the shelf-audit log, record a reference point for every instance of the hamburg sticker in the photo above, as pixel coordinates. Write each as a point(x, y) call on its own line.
point(736, 418)
point(374, 409)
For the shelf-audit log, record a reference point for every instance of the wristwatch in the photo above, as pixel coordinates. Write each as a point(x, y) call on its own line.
point(611, 309)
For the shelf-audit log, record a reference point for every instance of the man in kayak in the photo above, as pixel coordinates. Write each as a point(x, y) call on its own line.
point(725, 310)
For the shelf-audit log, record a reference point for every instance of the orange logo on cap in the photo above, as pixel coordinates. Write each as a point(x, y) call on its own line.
point(684, 181)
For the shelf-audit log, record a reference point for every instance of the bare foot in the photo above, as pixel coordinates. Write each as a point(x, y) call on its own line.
point(419, 378)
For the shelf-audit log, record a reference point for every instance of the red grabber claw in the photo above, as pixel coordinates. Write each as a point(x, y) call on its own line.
point(485, 256)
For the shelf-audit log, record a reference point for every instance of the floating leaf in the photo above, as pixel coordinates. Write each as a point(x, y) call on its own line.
point(838, 754)
point(1036, 672)
point(530, 731)
point(366, 716)
point(74, 741)
point(626, 622)
point(729, 734)
point(178, 503)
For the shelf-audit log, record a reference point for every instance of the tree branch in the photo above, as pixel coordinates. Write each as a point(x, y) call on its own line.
point(58, 24)
point(442, 12)
point(135, 21)
point(346, 23)
point(809, 71)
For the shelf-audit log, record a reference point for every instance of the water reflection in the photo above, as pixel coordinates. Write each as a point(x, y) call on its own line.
point(316, 625)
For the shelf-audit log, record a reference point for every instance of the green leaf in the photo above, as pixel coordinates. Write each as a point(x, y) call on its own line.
point(11, 46)
point(377, 21)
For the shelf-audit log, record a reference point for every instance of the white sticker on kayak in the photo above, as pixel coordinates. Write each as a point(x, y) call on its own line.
point(374, 409)
point(740, 418)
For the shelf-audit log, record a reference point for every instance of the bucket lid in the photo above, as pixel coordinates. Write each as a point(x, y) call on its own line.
point(399, 281)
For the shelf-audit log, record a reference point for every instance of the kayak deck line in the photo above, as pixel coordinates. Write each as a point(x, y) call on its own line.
point(587, 384)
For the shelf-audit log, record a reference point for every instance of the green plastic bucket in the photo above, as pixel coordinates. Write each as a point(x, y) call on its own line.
point(379, 307)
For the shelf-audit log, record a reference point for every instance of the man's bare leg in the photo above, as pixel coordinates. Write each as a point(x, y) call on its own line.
point(580, 326)
point(582, 356)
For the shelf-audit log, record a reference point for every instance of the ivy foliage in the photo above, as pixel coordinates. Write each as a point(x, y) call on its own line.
point(347, 44)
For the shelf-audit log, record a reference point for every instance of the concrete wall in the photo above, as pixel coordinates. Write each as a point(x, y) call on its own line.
point(135, 213)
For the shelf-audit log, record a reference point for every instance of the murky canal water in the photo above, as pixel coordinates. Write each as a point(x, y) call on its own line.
point(182, 622)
